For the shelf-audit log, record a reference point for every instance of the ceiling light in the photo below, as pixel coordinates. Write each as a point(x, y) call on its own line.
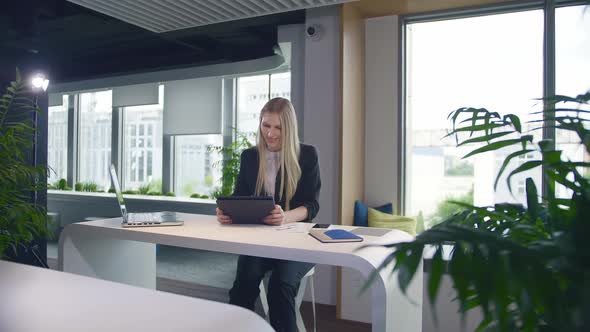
point(39, 82)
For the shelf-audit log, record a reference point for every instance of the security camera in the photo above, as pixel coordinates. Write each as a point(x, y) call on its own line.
point(314, 31)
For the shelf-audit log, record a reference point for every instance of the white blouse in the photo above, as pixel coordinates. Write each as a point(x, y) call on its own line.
point(272, 168)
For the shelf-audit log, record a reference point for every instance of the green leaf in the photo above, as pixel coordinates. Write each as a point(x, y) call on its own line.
point(522, 168)
point(551, 157)
point(580, 99)
point(374, 274)
point(506, 162)
point(408, 268)
point(493, 146)
point(485, 138)
point(484, 324)
point(515, 120)
point(562, 110)
point(563, 180)
point(457, 268)
point(486, 116)
point(437, 270)
point(20, 221)
point(481, 127)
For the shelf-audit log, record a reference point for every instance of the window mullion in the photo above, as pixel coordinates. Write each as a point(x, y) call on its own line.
point(269, 87)
point(168, 164)
point(117, 142)
point(72, 140)
point(402, 129)
point(549, 78)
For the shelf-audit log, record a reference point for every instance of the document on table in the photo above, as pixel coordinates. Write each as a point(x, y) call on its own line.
point(296, 227)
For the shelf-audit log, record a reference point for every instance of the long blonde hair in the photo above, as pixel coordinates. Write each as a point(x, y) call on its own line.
point(289, 154)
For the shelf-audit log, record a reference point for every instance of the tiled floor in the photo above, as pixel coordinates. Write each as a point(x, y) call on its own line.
point(213, 269)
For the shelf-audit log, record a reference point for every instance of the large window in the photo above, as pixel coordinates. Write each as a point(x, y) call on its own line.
point(142, 152)
point(195, 168)
point(95, 138)
point(254, 92)
point(252, 95)
point(280, 85)
point(492, 61)
point(57, 142)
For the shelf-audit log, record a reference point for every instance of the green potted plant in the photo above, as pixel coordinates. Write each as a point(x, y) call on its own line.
point(21, 220)
point(527, 267)
point(90, 187)
point(61, 184)
point(230, 163)
point(144, 189)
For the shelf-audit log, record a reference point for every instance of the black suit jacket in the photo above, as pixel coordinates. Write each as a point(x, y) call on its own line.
point(308, 187)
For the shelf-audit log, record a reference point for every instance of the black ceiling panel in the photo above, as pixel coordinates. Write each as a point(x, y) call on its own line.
point(71, 42)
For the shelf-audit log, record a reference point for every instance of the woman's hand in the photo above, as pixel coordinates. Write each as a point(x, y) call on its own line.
point(276, 217)
point(222, 218)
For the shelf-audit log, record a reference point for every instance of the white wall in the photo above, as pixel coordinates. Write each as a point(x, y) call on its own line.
point(382, 111)
point(382, 160)
point(321, 122)
point(381, 142)
point(291, 39)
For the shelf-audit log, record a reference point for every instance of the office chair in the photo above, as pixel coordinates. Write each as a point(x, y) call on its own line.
point(298, 299)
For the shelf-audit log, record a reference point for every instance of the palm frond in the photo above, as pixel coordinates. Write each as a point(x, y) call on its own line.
point(21, 220)
point(526, 267)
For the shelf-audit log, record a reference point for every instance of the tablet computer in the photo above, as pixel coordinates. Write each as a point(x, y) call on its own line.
point(246, 209)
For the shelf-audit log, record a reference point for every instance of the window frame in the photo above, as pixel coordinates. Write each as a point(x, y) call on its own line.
point(237, 92)
point(119, 145)
point(549, 8)
point(75, 136)
point(229, 126)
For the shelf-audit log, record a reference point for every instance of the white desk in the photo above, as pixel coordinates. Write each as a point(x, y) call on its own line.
point(105, 250)
point(36, 299)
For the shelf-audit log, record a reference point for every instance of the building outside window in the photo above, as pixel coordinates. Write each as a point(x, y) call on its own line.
point(142, 141)
point(494, 62)
point(57, 142)
point(253, 93)
point(194, 171)
point(95, 115)
point(280, 85)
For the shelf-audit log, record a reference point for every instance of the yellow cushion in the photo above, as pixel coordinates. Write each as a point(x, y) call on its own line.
point(385, 220)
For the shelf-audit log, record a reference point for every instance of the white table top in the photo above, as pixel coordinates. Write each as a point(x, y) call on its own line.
point(35, 299)
point(204, 232)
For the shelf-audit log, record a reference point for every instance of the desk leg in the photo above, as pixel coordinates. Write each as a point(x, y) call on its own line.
point(90, 254)
point(394, 311)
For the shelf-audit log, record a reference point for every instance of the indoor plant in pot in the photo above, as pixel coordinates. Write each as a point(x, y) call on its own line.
point(526, 266)
point(21, 220)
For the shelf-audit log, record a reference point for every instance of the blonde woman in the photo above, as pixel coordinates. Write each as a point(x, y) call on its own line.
point(289, 171)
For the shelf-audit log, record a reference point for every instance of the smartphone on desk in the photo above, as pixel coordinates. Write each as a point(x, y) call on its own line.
point(321, 225)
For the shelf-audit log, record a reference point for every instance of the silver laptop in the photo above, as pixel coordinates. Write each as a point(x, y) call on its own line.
point(149, 219)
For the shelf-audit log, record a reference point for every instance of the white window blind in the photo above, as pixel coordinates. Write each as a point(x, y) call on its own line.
point(193, 107)
point(55, 99)
point(135, 95)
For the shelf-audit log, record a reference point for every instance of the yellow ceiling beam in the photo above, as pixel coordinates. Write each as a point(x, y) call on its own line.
point(374, 8)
